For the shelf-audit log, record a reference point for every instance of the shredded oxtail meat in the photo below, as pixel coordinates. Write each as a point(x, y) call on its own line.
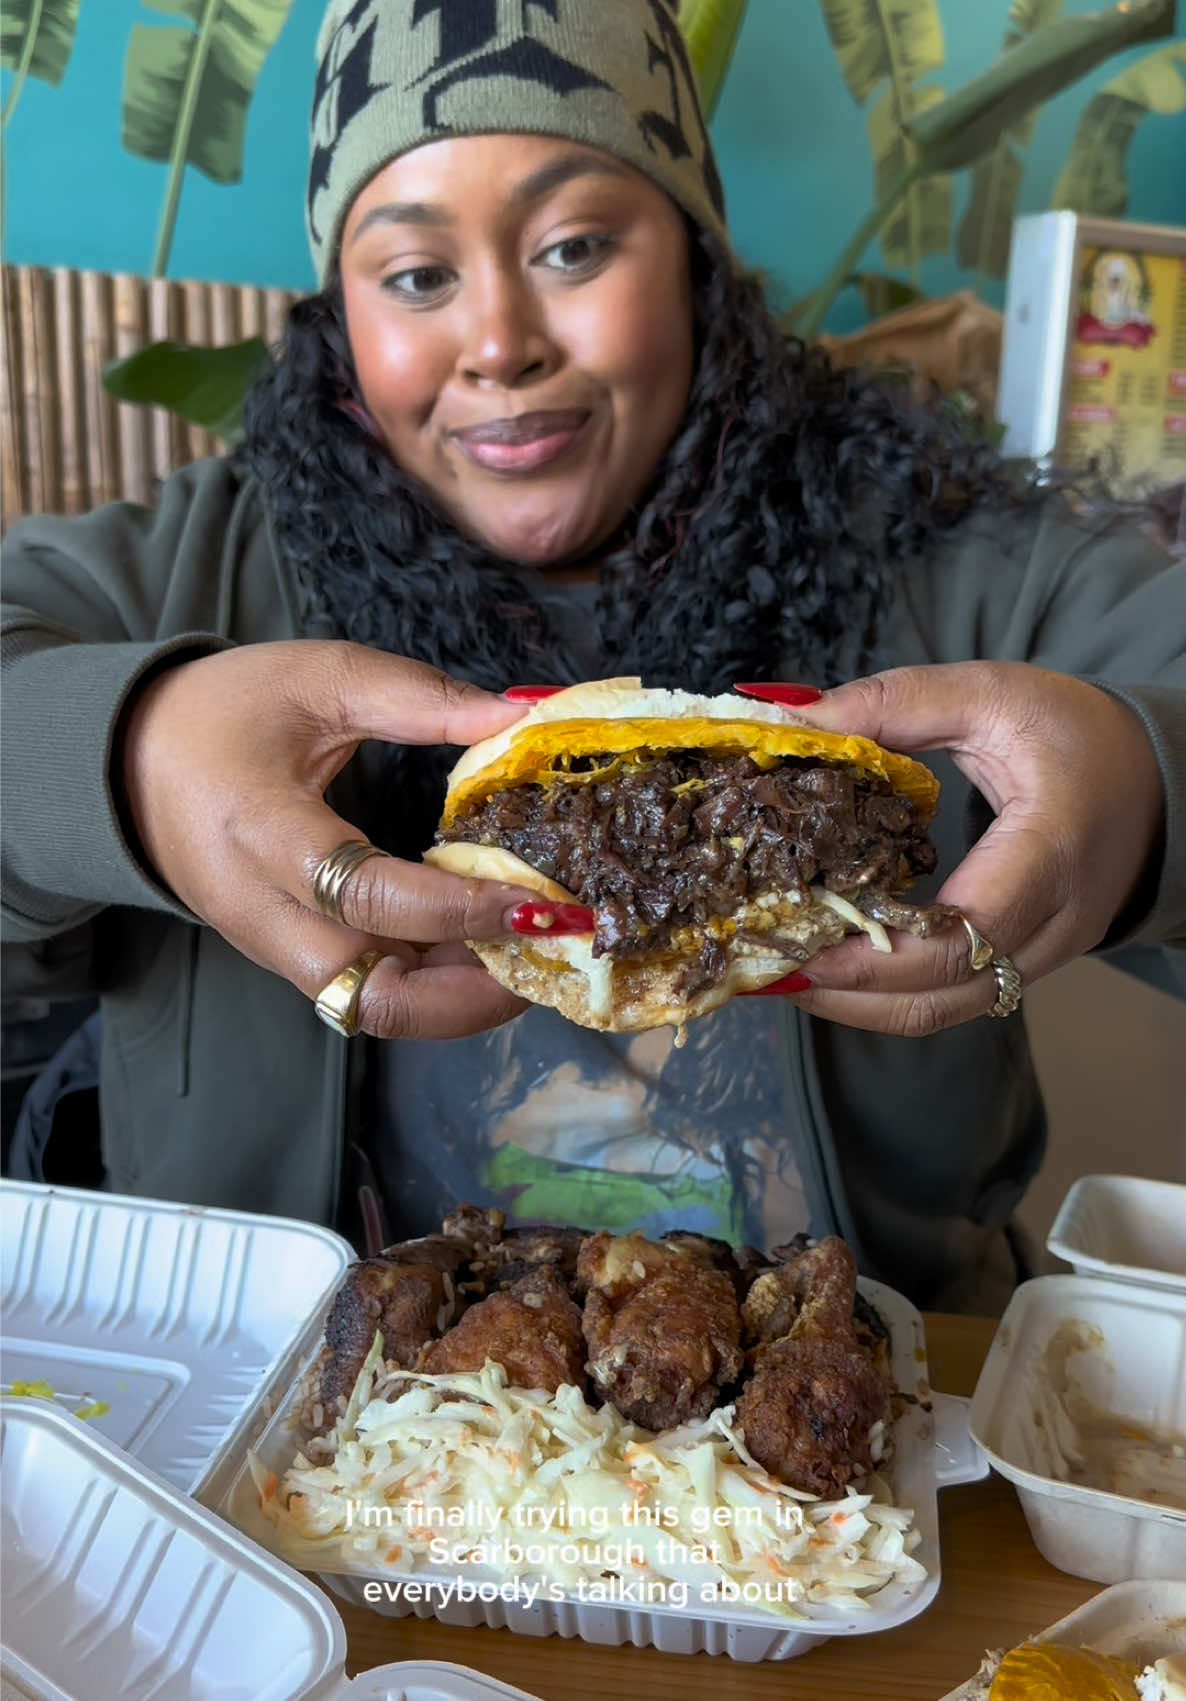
point(658, 845)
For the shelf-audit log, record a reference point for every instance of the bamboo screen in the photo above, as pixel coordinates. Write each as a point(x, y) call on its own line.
point(66, 444)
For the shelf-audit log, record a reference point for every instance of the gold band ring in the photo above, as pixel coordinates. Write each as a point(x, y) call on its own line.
point(337, 1003)
point(1008, 986)
point(984, 955)
point(334, 870)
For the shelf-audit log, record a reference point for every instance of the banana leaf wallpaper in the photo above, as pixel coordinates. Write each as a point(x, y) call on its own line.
point(167, 137)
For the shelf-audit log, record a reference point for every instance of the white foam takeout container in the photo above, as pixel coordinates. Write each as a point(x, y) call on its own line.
point(932, 1448)
point(1140, 1621)
point(119, 1589)
point(173, 1316)
point(1126, 1228)
point(1138, 1373)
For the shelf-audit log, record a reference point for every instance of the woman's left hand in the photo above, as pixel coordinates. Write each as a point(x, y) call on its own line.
point(1077, 794)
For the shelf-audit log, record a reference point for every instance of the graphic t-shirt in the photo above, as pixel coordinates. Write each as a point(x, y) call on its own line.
point(558, 1123)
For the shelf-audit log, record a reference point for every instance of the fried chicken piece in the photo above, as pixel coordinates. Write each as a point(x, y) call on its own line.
point(409, 1303)
point(820, 1382)
point(522, 1250)
point(871, 1333)
point(812, 1293)
point(715, 1254)
point(807, 1411)
point(662, 1328)
point(476, 1227)
point(532, 1329)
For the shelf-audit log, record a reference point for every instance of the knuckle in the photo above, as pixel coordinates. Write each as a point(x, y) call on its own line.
point(953, 953)
point(873, 695)
point(861, 972)
point(366, 902)
point(389, 1009)
point(920, 1016)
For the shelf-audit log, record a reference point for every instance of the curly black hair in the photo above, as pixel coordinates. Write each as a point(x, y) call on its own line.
point(772, 532)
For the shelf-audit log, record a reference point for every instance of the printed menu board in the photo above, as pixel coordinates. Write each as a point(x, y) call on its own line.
point(1126, 385)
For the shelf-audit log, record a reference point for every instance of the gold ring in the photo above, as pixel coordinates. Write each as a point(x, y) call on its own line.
point(982, 951)
point(337, 1003)
point(333, 871)
point(1008, 986)
point(1008, 980)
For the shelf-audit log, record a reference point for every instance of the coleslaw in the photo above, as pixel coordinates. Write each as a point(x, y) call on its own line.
point(437, 1476)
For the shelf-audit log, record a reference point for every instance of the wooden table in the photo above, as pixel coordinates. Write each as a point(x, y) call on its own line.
point(996, 1590)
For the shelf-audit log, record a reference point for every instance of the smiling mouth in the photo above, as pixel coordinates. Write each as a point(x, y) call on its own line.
point(522, 442)
point(525, 427)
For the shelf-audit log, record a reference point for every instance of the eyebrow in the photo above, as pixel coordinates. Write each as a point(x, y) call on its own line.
point(540, 183)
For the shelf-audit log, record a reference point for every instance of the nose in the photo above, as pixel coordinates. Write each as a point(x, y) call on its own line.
point(507, 340)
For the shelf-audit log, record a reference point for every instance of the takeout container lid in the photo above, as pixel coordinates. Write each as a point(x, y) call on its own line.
point(1125, 1227)
point(173, 1316)
point(1089, 1532)
point(1140, 1621)
point(932, 1448)
point(117, 1585)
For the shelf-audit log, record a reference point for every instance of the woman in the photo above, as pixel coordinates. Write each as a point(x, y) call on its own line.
point(538, 426)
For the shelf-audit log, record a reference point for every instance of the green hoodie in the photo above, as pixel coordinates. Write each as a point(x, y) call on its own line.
point(218, 1083)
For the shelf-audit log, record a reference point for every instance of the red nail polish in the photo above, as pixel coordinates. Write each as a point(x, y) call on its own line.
point(788, 696)
point(544, 919)
point(531, 693)
point(779, 988)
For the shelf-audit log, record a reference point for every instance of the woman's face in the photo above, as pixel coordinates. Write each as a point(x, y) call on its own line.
point(520, 314)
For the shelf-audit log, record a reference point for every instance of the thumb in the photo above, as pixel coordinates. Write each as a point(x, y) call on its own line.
point(376, 695)
point(916, 708)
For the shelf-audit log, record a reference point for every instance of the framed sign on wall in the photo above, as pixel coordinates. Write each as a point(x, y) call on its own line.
point(1093, 364)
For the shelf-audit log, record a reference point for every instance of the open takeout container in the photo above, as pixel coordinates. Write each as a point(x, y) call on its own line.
point(1136, 1371)
point(931, 1448)
point(1126, 1228)
point(116, 1587)
point(1138, 1621)
point(163, 1321)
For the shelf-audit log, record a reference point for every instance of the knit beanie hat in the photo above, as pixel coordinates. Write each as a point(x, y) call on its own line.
point(393, 74)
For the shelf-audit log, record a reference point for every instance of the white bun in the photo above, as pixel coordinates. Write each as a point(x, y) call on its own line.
point(618, 700)
point(629, 996)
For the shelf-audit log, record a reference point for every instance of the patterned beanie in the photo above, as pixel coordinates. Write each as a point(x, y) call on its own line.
point(393, 74)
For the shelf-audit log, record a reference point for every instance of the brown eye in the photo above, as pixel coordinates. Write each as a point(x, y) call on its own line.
point(419, 283)
point(576, 254)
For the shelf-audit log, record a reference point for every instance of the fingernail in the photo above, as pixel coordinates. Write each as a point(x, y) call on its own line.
point(789, 696)
point(531, 693)
point(551, 918)
point(779, 988)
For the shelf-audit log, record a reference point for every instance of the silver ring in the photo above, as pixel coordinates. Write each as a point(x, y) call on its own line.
point(334, 870)
point(985, 955)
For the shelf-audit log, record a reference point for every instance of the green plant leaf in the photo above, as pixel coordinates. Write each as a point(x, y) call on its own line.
point(187, 91)
point(1025, 17)
point(36, 40)
point(986, 230)
point(961, 129)
point(987, 227)
point(38, 35)
point(877, 39)
point(206, 386)
point(920, 224)
point(711, 29)
point(1095, 178)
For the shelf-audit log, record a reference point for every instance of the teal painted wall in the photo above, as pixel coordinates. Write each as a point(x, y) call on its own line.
point(793, 149)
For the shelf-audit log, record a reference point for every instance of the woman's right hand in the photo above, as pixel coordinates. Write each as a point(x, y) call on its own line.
point(226, 760)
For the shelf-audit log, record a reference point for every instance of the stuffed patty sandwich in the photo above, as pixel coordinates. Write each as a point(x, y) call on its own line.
point(719, 843)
